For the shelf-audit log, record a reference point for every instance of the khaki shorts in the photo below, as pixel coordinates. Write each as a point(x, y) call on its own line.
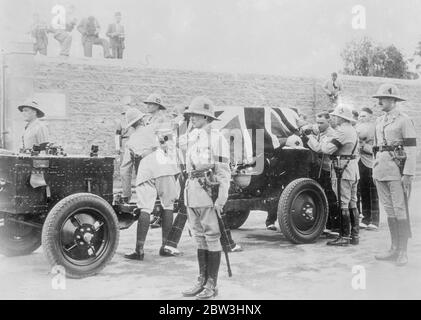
point(163, 187)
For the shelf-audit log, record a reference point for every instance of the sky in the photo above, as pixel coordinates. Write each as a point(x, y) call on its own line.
point(283, 37)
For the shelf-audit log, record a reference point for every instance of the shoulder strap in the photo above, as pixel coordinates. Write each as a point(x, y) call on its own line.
point(355, 146)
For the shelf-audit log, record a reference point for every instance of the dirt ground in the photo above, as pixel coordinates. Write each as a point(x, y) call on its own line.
point(269, 268)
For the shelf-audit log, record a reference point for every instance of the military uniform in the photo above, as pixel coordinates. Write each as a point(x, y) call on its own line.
point(122, 135)
point(127, 162)
point(163, 129)
point(35, 132)
point(207, 150)
point(395, 135)
point(181, 130)
point(343, 146)
point(367, 188)
point(202, 155)
point(155, 178)
point(325, 175)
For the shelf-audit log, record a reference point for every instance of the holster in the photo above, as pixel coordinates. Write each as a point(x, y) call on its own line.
point(399, 157)
point(212, 183)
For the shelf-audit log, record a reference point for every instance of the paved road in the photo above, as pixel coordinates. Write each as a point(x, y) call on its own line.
point(269, 268)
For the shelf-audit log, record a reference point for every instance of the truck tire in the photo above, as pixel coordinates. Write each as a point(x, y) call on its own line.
point(302, 211)
point(236, 218)
point(81, 234)
point(17, 239)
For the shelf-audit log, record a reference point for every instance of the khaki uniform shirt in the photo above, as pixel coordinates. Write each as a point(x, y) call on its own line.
point(153, 165)
point(315, 145)
point(36, 133)
point(343, 142)
point(207, 148)
point(366, 133)
point(394, 128)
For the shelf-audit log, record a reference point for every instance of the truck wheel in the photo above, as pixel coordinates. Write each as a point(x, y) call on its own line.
point(17, 239)
point(237, 218)
point(81, 234)
point(302, 211)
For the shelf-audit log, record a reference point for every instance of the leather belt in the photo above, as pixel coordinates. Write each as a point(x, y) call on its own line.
point(386, 148)
point(343, 157)
point(198, 173)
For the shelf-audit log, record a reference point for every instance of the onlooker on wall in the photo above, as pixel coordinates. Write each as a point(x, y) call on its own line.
point(62, 33)
point(367, 189)
point(90, 28)
point(39, 31)
point(333, 88)
point(116, 34)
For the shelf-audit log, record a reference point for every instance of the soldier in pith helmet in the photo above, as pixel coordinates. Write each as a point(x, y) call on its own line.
point(207, 165)
point(393, 169)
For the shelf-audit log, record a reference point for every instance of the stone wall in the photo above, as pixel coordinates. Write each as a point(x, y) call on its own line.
point(94, 89)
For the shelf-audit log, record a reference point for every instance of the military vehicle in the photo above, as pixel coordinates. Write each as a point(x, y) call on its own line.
point(272, 171)
point(62, 202)
point(66, 203)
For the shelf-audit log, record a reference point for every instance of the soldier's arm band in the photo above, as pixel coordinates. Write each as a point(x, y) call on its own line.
point(410, 142)
point(336, 143)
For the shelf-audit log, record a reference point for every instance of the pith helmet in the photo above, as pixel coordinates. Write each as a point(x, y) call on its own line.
point(202, 106)
point(343, 112)
point(155, 99)
point(133, 115)
point(31, 103)
point(294, 141)
point(388, 90)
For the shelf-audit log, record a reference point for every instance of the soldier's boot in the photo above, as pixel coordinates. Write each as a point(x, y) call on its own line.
point(210, 289)
point(343, 240)
point(392, 253)
point(403, 235)
point(355, 226)
point(142, 231)
point(202, 258)
point(167, 222)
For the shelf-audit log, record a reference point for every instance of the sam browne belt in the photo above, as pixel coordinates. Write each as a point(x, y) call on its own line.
point(343, 157)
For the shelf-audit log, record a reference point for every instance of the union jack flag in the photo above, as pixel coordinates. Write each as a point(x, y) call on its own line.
point(260, 129)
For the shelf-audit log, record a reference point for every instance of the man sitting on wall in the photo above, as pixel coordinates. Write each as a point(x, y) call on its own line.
point(90, 28)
